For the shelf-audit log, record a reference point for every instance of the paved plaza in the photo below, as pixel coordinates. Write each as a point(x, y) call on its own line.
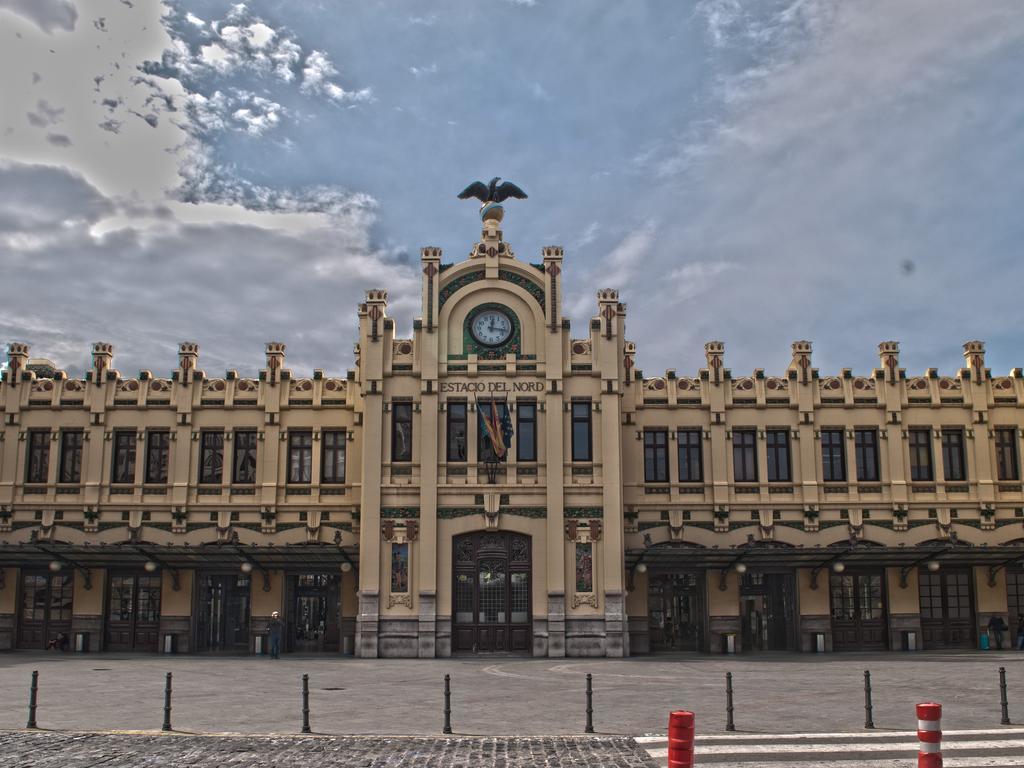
point(494, 696)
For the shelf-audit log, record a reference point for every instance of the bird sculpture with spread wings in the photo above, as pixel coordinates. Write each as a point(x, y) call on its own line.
point(493, 192)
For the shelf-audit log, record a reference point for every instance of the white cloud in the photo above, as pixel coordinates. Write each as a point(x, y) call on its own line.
point(430, 69)
point(317, 74)
point(194, 20)
point(49, 15)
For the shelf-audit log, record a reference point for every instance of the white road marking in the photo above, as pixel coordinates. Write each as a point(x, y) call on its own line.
point(818, 748)
point(847, 735)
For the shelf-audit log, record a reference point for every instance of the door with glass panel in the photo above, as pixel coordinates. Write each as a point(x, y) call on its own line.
point(222, 615)
point(44, 615)
point(858, 611)
point(676, 612)
point(313, 619)
point(947, 609)
point(491, 593)
point(133, 612)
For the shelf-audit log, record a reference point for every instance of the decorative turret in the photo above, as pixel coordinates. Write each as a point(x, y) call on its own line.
point(974, 359)
point(17, 357)
point(714, 351)
point(188, 360)
point(552, 269)
point(801, 362)
point(375, 310)
point(102, 358)
point(275, 361)
point(889, 358)
point(431, 258)
point(608, 308)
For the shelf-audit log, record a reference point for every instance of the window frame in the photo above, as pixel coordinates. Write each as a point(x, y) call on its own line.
point(404, 408)
point(237, 447)
point(148, 474)
point(921, 473)
point(300, 443)
point(581, 451)
point(954, 454)
point(457, 407)
point(212, 450)
point(829, 461)
point(130, 441)
point(860, 449)
point(776, 451)
point(743, 445)
point(37, 464)
point(522, 408)
point(62, 460)
point(1004, 462)
point(694, 446)
point(656, 468)
point(332, 443)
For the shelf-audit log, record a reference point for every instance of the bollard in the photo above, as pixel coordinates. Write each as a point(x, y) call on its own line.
point(305, 704)
point(167, 704)
point(32, 699)
point(729, 724)
point(680, 739)
point(869, 721)
point(929, 735)
point(447, 704)
point(590, 705)
point(1003, 703)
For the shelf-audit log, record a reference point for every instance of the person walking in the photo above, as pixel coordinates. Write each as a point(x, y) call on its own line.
point(1020, 632)
point(996, 627)
point(275, 630)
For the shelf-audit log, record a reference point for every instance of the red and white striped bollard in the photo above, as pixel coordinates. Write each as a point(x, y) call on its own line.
point(929, 735)
point(680, 739)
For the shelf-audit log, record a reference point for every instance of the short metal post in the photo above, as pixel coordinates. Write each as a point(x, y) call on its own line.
point(447, 704)
point(1003, 703)
point(167, 704)
point(729, 724)
point(305, 704)
point(590, 705)
point(32, 692)
point(868, 709)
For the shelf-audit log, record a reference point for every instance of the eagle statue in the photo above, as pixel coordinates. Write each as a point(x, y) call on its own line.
point(493, 192)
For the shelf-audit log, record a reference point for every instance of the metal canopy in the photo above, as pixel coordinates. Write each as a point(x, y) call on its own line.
point(208, 556)
point(681, 557)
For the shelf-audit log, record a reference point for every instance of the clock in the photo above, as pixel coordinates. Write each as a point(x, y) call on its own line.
point(491, 327)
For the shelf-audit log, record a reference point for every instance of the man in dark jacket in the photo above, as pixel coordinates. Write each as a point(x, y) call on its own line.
point(275, 630)
point(996, 627)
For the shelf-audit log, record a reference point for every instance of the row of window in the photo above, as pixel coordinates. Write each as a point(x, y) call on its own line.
point(833, 455)
point(211, 456)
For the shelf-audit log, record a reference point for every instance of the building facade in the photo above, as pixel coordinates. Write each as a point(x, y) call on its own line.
point(493, 484)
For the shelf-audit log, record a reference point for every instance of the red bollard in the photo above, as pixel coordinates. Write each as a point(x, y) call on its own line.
point(929, 735)
point(680, 739)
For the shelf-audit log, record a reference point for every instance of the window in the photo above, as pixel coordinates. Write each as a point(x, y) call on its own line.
point(954, 465)
point(582, 437)
point(526, 432)
point(655, 456)
point(833, 456)
point(744, 455)
point(1006, 453)
point(243, 467)
point(157, 445)
point(332, 461)
point(457, 430)
point(865, 442)
point(401, 432)
point(38, 464)
point(300, 457)
point(920, 454)
point(691, 466)
point(71, 456)
point(211, 457)
point(778, 456)
point(123, 469)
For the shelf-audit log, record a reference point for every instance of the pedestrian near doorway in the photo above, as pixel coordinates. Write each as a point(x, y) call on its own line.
point(996, 627)
point(275, 630)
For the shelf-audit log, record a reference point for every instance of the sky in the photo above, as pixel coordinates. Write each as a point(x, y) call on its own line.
point(843, 171)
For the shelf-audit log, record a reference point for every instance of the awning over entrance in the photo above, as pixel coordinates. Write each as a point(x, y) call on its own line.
point(206, 556)
point(668, 557)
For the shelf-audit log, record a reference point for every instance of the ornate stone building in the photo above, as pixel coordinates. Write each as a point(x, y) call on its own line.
point(494, 484)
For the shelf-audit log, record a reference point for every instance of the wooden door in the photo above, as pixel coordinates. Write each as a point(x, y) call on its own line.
point(133, 612)
point(45, 609)
point(491, 593)
point(858, 611)
point(947, 609)
point(314, 611)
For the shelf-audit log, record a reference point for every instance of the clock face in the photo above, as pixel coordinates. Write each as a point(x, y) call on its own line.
point(491, 327)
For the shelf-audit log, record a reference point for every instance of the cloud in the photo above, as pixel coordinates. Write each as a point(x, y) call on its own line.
point(45, 114)
point(48, 15)
point(58, 139)
point(317, 77)
point(430, 69)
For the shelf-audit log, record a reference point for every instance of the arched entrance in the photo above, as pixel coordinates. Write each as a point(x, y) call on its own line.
point(491, 592)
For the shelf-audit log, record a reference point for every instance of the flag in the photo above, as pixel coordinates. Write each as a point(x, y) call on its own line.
point(496, 424)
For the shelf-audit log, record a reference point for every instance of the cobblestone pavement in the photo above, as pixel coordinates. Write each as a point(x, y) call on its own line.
point(505, 696)
point(79, 750)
